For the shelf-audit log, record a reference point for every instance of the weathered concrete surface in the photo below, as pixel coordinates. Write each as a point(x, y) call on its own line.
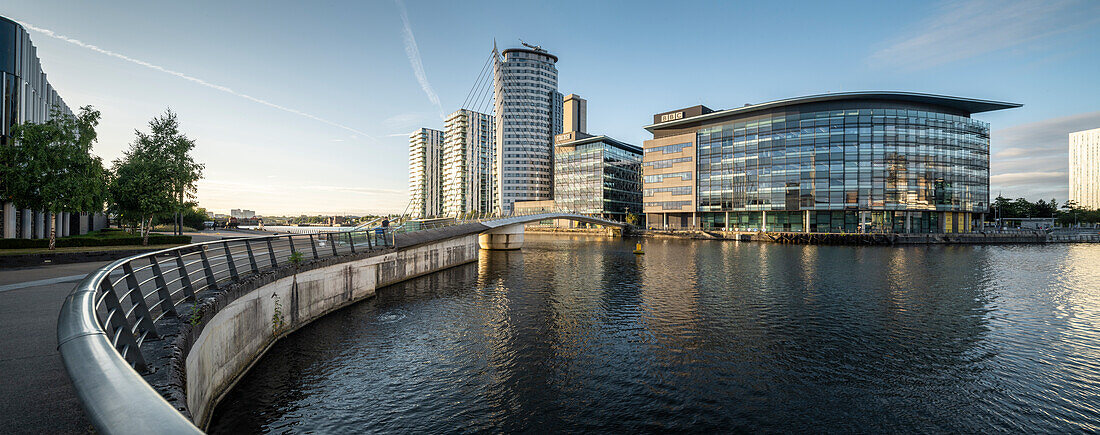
point(238, 334)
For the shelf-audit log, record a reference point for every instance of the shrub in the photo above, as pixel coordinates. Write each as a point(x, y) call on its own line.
point(86, 241)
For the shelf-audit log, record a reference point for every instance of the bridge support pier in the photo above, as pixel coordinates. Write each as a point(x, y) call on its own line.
point(505, 238)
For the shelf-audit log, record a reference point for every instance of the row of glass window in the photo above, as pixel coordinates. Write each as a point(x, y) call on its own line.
point(667, 149)
point(666, 163)
point(657, 178)
point(948, 159)
point(675, 191)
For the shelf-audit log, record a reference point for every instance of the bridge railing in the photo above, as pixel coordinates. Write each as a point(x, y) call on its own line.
point(483, 217)
point(121, 306)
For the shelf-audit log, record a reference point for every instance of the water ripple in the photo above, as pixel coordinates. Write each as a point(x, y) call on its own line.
point(576, 334)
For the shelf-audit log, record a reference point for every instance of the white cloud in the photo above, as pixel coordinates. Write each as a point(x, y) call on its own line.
point(413, 52)
point(1032, 160)
point(196, 80)
point(964, 29)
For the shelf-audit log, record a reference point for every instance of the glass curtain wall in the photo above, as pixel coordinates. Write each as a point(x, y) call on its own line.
point(598, 179)
point(854, 170)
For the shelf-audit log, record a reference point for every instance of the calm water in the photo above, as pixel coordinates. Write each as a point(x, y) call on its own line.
point(577, 334)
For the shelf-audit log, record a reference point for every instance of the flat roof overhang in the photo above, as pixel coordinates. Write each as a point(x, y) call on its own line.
point(968, 105)
point(601, 138)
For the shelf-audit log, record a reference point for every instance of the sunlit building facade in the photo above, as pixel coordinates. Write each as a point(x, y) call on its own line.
point(598, 176)
point(594, 175)
point(1084, 168)
point(425, 175)
point(26, 96)
point(528, 110)
point(468, 153)
point(847, 162)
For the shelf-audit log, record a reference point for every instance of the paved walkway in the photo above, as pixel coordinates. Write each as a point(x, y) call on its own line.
point(35, 393)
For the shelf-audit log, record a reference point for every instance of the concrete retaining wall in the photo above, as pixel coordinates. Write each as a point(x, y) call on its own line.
point(238, 334)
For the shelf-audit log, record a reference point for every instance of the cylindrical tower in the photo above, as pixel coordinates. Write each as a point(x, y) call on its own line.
point(528, 109)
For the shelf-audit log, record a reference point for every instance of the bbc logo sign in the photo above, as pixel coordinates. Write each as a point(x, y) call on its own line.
point(672, 116)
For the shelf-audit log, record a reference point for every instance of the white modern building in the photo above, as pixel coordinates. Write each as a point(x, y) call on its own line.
point(468, 156)
point(528, 110)
point(242, 214)
point(1084, 168)
point(27, 96)
point(425, 175)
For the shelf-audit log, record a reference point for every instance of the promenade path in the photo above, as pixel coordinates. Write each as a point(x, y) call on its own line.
point(36, 395)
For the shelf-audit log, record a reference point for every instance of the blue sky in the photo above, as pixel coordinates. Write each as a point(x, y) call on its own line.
point(305, 108)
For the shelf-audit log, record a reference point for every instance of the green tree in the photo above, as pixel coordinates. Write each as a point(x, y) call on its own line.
point(50, 166)
point(139, 190)
point(165, 140)
point(632, 219)
point(157, 175)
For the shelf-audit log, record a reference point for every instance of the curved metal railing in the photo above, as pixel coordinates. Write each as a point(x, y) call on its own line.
point(116, 309)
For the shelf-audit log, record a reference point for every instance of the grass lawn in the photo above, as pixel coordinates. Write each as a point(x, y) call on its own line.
point(82, 249)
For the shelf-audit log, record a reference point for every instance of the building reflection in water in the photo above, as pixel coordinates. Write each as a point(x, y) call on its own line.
point(579, 334)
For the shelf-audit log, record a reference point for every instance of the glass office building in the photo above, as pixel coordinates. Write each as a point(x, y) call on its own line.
point(26, 96)
point(850, 162)
point(598, 176)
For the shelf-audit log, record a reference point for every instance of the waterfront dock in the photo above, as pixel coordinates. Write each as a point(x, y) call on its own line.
point(880, 238)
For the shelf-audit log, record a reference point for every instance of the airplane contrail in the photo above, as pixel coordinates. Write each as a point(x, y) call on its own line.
point(413, 52)
point(199, 81)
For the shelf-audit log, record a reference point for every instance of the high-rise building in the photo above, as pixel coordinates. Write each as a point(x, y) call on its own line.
point(594, 175)
point(844, 162)
point(425, 176)
point(574, 114)
point(528, 110)
point(468, 153)
point(27, 96)
point(1084, 168)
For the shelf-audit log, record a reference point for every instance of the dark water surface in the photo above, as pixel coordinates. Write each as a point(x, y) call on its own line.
point(577, 334)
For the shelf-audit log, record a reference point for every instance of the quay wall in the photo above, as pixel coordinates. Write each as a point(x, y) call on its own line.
point(878, 239)
point(243, 329)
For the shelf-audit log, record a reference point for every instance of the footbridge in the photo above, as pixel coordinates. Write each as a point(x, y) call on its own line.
point(507, 233)
point(152, 342)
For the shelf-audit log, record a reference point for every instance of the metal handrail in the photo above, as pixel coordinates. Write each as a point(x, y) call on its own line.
point(114, 310)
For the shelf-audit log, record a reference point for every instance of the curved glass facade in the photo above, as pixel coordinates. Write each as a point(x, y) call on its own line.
point(868, 159)
point(25, 96)
point(883, 162)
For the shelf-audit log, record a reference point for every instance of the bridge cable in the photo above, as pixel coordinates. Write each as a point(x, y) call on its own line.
point(477, 82)
point(483, 84)
point(486, 97)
